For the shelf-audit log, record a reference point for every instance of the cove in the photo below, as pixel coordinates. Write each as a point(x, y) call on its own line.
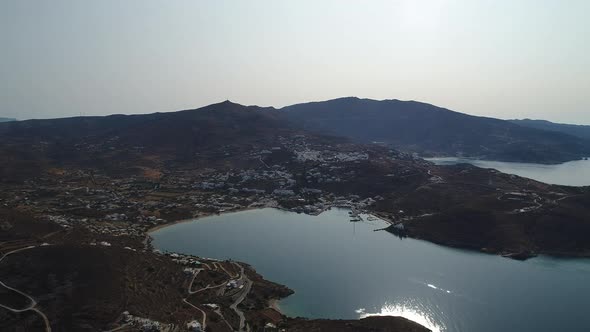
point(347, 270)
point(573, 173)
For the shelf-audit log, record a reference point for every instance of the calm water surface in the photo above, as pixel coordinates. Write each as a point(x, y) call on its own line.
point(573, 173)
point(346, 270)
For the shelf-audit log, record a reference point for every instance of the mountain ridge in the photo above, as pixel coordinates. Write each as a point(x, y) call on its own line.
point(581, 131)
point(94, 187)
point(411, 126)
point(430, 130)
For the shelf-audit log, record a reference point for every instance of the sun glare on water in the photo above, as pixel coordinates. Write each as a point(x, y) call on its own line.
point(406, 311)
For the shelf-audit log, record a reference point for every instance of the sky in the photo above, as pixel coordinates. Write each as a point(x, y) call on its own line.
point(497, 58)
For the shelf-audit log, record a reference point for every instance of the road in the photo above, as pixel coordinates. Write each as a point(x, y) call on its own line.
point(243, 293)
point(206, 288)
point(124, 326)
point(32, 306)
point(204, 322)
point(226, 271)
point(190, 286)
point(191, 292)
point(241, 298)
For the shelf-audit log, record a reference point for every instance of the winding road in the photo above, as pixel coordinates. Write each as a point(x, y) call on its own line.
point(241, 298)
point(226, 271)
point(204, 322)
point(32, 306)
point(234, 306)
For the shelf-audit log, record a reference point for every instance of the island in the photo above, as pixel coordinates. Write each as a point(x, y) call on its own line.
point(79, 196)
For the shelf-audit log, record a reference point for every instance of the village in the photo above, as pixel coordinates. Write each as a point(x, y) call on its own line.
point(119, 211)
point(309, 181)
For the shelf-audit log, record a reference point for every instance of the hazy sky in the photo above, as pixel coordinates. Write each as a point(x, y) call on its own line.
point(501, 58)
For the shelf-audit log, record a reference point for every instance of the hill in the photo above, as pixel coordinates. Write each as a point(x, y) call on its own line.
point(126, 143)
point(213, 124)
point(79, 196)
point(574, 130)
point(433, 131)
point(228, 147)
point(7, 119)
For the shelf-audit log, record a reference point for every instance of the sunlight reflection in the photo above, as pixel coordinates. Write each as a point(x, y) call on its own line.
point(407, 311)
point(437, 288)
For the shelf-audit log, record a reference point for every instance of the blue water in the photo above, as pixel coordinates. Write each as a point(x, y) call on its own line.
point(573, 173)
point(340, 269)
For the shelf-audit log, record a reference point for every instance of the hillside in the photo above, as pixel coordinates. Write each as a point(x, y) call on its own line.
point(212, 147)
point(581, 131)
point(124, 143)
point(213, 124)
point(78, 194)
point(434, 131)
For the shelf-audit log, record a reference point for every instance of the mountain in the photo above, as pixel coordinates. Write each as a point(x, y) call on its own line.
point(574, 130)
point(122, 143)
point(266, 154)
point(406, 125)
point(213, 136)
point(194, 128)
point(93, 187)
point(7, 119)
point(433, 131)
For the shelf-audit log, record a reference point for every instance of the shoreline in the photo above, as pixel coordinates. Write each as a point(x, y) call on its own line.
point(384, 218)
point(538, 163)
point(266, 206)
point(205, 215)
point(274, 304)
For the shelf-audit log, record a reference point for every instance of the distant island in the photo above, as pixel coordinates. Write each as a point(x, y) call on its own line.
point(7, 119)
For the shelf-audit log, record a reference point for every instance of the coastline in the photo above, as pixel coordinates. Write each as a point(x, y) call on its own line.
point(540, 162)
point(205, 215)
point(517, 255)
point(274, 304)
point(164, 225)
